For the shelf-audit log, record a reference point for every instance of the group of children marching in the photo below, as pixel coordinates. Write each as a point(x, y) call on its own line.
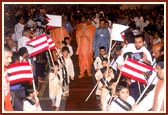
point(112, 93)
point(60, 75)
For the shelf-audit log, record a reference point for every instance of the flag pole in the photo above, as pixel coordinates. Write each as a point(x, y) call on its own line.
point(48, 60)
point(117, 81)
point(34, 86)
point(139, 88)
point(91, 92)
point(61, 33)
point(51, 57)
point(144, 91)
point(120, 71)
point(110, 49)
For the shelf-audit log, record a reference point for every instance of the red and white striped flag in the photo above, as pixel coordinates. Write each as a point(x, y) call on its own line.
point(18, 72)
point(134, 70)
point(39, 43)
point(50, 43)
point(54, 20)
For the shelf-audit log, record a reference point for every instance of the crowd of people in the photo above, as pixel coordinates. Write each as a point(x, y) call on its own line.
point(91, 28)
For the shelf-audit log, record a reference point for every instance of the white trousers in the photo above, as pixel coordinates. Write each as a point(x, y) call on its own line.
point(57, 100)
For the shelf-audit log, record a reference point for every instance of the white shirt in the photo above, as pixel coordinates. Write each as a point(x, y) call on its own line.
point(147, 102)
point(131, 48)
point(27, 106)
point(96, 22)
point(98, 62)
point(115, 107)
point(70, 50)
point(22, 43)
point(31, 23)
point(18, 30)
point(69, 67)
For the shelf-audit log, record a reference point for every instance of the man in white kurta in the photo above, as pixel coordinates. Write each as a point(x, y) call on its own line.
point(19, 27)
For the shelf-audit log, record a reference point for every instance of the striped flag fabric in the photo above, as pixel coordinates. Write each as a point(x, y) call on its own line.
point(20, 71)
point(39, 43)
point(54, 20)
point(50, 43)
point(134, 70)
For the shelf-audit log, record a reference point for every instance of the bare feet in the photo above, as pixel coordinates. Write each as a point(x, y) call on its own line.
point(89, 74)
point(53, 104)
point(81, 76)
point(67, 94)
point(57, 109)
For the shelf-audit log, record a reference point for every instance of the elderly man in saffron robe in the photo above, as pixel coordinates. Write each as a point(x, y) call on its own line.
point(84, 37)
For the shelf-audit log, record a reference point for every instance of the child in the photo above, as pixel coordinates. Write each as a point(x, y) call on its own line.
point(103, 84)
point(66, 69)
point(124, 102)
point(31, 103)
point(63, 44)
point(98, 61)
point(23, 53)
point(68, 41)
point(109, 94)
point(99, 73)
point(55, 86)
point(57, 53)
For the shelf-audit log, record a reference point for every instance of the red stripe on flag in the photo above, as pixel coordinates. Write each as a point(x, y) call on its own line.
point(39, 51)
point(40, 44)
point(20, 72)
point(47, 19)
point(123, 36)
point(19, 64)
point(140, 64)
point(34, 39)
point(133, 69)
point(20, 80)
point(51, 43)
point(129, 75)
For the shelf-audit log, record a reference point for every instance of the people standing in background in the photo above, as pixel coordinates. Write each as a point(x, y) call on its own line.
point(19, 27)
point(95, 19)
point(101, 38)
point(157, 38)
point(68, 41)
point(67, 24)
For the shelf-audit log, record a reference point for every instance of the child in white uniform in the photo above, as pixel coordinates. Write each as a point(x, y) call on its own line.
point(55, 86)
point(31, 102)
point(124, 102)
point(66, 69)
point(98, 61)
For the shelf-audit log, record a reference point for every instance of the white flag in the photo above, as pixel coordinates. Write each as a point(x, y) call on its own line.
point(54, 20)
point(117, 30)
